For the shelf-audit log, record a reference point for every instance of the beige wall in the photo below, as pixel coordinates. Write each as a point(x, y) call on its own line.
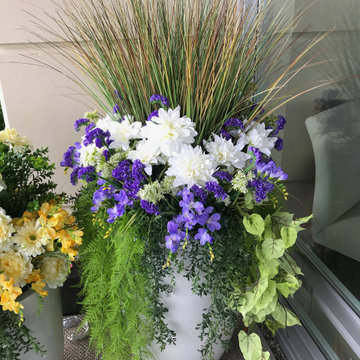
point(38, 101)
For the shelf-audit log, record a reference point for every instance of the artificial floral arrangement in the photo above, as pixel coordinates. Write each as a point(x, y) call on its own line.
point(183, 183)
point(38, 238)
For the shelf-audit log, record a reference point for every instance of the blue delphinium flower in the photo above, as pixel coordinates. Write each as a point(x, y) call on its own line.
point(159, 98)
point(204, 236)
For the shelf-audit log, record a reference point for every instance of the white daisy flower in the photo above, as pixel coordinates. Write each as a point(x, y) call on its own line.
point(191, 166)
point(6, 229)
point(30, 239)
point(148, 153)
point(259, 137)
point(120, 132)
point(226, 153)
point(169, 130)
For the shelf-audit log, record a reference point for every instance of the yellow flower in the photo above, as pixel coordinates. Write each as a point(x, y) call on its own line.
point(8, 295)
point(6, 229)
point(15, 265)
point(35, 279)
point(30, 239)
point(11, 137)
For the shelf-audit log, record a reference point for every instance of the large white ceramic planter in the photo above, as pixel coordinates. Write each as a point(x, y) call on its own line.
point(185, 312)
point(46, 326)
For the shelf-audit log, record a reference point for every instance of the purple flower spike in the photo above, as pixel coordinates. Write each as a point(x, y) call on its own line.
point(172, 242)
point(213, 222)
point(115, 212)
point(204, 237)
point(159, 98)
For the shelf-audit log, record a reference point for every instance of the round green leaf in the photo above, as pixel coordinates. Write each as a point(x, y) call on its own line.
point(289, 235)
point(254, 224)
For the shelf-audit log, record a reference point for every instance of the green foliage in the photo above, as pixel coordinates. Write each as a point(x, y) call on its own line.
point(27, 175)
point(2, 121)
point(15, 338)
point(251, 348)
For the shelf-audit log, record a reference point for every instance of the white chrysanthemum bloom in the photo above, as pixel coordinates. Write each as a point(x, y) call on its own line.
point(120, 132)
point(259, 137)
point(90, 155)
point(191, 166)
point(226, 153)
point(14, 264)
point(148, 152)
point(2, 184)
point(6, 229)
point(30, 239)
point(55, 269)
point(11, 137)
point(169, 131)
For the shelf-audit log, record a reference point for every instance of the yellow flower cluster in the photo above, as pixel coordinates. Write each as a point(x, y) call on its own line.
point(44, 243)
point(9, 294)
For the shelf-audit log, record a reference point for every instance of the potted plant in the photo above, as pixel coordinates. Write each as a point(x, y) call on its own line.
point(37, 245)
point(180, 189)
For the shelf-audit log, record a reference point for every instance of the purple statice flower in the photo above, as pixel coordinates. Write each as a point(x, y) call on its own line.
point(279, 144)
point(223, 175)
point(261, 188)
point(203, 236)
point(216, 189)
point(123, 171)
point(137, 171)
point(100, 137)
point(225, 134)
point(159, 98)
point(106, 155)
point(74, 176)
point(280, 122)
point(68, 157)
point(90, 127)
point(153, 114)
point(149, 207)
point(80, 122)
point(87, 173)
point(116, 109)
point(199, 192)
point(234, 122)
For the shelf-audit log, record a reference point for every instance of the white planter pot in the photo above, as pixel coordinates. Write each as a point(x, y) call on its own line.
point(185, 312)
point(45, 326)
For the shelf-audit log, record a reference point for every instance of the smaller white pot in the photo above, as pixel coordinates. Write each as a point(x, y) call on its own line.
point(185, 312)
point(45, 326)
